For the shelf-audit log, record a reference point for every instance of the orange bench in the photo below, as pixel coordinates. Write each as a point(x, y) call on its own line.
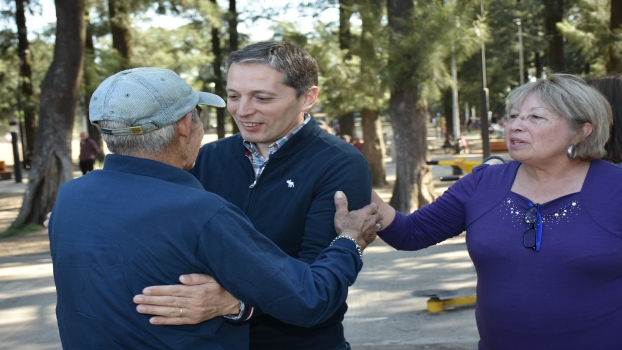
point(498, 146)
point(4, 173)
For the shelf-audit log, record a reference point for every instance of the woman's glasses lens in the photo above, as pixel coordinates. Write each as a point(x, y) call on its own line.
point(529, 238)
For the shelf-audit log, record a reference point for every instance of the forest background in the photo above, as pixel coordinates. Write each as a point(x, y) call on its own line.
point(399, 61)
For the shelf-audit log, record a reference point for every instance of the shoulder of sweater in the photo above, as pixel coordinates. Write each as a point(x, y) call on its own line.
point(321, 140)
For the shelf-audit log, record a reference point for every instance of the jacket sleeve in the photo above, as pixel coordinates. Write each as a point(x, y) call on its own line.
point(343, 172)
point(255, 270)
point(435, 222)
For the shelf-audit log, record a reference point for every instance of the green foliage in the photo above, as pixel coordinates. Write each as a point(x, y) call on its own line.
point(340, 88)
point(41, 57)
point(502, 51)
point(426, 52)
point(587, 29)
point(362, 80)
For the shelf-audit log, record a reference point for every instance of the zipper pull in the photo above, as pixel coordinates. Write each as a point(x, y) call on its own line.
point(253, 184)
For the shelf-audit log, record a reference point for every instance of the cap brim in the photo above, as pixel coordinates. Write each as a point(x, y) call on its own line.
point(206, 98)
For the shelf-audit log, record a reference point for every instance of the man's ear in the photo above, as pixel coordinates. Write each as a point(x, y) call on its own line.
point(310, 97)
point(184, 126)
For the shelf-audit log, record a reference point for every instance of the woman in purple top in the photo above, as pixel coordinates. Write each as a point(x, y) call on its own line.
point(544, 231)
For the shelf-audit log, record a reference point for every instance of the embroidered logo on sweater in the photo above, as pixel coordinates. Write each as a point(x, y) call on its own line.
point(290, 183)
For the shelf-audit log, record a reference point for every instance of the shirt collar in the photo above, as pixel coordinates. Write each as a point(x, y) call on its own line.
point(150, 168)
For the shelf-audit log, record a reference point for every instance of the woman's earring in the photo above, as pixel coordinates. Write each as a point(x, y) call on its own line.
point(571, 152)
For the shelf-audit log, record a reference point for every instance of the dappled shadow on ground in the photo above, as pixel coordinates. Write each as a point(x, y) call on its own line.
point(384, 311)
point(9, 208)
point(27, 303)
point(384, 307)
point(36, 242)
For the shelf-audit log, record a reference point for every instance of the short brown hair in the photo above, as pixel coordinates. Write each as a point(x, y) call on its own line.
point(296, 64)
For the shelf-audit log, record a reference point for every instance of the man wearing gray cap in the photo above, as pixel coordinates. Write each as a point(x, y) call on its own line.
point(144, 220)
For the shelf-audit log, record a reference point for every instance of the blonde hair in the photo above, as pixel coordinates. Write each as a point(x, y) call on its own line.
point(570, 97)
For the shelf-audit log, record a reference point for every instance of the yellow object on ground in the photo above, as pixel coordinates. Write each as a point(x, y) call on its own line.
point(436, 305)
point(462, 163)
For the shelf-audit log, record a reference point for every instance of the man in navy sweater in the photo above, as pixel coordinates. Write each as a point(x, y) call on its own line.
point(145, 220)
point(281, 170)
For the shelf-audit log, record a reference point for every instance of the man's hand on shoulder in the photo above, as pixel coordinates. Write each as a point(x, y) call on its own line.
point(361, 224)
point(199, 299)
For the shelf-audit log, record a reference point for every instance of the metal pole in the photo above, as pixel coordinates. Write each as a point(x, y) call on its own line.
point(454, 92)
point(17, 166)
point(85, 119)
point(455, 112)
point(483, 103)
point(520, 51)
point(19, 117)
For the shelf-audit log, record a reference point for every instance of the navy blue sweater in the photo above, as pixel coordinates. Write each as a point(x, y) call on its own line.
point(292, 204)
point(139, 223)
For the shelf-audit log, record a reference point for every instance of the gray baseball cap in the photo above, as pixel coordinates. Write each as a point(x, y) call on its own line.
point(145, 98)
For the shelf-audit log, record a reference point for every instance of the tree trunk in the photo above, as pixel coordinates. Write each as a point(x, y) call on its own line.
point(371, 15)
point(413, 185)
point(345, 36)
point(614, 61)
point(51, 165)
point(554, 10)
point(346, 120)
point(27, 102)
point(233, 26)
point(90, 84)
point(346, 124)
point(373, 145)
point(537, 64)
point(233, 46)
point(218, 83)
point(121, 30)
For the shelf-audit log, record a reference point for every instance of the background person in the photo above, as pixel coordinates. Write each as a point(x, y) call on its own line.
point(88, 152)
point(282, 170)
point(544, 231)
point(358, 143)
point(147, 220)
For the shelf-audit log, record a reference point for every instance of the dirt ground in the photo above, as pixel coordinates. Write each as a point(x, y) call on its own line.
point(36, 242)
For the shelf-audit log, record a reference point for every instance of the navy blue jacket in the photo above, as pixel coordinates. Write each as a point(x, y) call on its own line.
point(139, 223)
point(292, 204)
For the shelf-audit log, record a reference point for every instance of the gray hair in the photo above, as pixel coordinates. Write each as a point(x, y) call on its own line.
point(298, 67)
point(150, 144)
point(570, 97)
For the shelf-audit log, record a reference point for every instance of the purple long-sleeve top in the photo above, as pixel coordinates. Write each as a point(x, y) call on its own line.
point(567, 295)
